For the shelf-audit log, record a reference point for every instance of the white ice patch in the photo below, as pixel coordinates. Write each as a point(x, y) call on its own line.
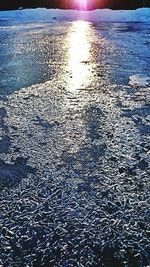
point(139, 80)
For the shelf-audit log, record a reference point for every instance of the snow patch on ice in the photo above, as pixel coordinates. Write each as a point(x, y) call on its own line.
point(43, 14)
point(139, 80)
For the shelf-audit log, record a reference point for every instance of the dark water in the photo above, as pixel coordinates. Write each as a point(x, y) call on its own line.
point(35, 53)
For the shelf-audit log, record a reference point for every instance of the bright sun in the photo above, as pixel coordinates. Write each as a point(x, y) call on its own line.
point(81, 4)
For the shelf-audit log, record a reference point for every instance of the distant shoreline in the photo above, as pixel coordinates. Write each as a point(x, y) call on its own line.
point(98, 15)
point(57, 4)
point(73, 9)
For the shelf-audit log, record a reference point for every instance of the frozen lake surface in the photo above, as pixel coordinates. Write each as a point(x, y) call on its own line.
point(74, 138)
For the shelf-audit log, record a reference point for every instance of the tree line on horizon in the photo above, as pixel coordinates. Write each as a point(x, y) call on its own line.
point(72, 4)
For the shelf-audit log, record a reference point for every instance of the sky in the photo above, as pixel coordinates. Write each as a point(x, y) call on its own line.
point(74, 4)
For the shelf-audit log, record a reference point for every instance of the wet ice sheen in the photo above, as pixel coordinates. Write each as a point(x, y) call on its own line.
point(139, 80)
point(74, 154)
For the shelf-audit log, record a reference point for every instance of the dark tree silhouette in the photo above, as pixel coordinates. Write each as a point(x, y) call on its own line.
point(92, 4)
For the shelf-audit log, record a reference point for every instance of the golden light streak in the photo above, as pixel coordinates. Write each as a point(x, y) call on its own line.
point(79, 55)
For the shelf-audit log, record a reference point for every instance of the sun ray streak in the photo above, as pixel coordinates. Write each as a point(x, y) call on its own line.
point(79, 67)
point(81, 4)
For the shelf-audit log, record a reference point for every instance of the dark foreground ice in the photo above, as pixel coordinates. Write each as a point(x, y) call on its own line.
point(74, 144)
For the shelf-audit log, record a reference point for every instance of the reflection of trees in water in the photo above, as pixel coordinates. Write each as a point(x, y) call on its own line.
point(92, 149)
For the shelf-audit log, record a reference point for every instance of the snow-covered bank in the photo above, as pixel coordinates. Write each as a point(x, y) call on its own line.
point(42, 14)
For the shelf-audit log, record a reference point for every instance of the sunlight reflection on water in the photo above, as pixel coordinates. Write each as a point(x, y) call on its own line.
point(79, 55)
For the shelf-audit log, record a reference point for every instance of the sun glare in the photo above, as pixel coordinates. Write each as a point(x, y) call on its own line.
point(79, 55)
point(81, 4)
